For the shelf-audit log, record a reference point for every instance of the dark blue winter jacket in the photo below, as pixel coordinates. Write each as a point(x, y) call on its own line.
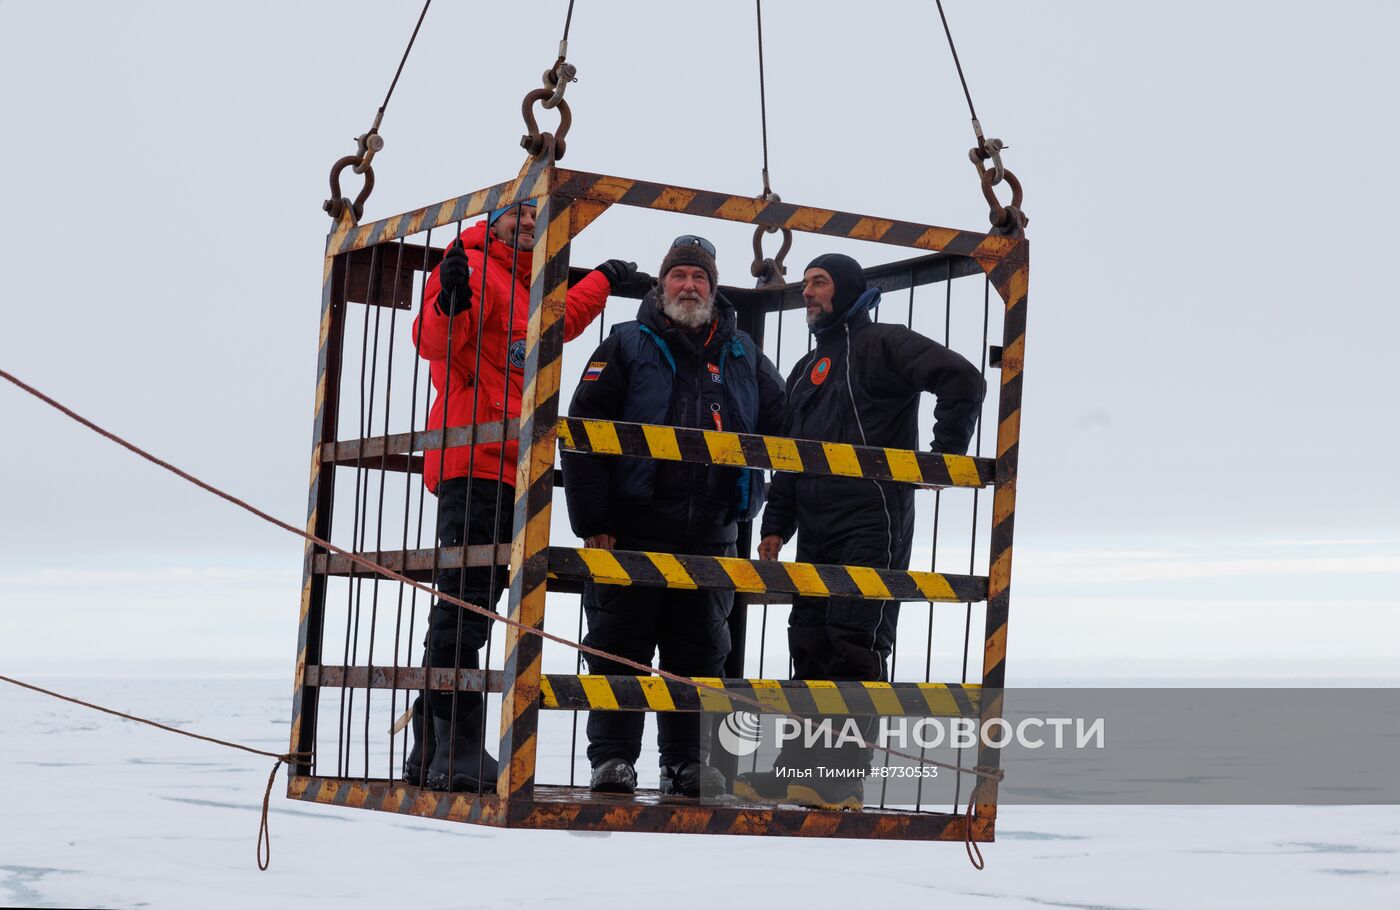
point(652, 371)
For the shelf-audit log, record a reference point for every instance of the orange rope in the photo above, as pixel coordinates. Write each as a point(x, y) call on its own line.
point(263, 833)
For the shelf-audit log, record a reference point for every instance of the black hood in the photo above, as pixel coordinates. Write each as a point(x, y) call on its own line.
point(847, 276)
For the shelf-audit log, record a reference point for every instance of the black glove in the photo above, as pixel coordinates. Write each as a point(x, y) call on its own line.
point(618, 272)
point(455, 274)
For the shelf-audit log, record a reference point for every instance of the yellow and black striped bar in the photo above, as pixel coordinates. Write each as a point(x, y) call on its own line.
point(778, 214)
point(756, 576)
point(372, 450)
point(774, 453)
point(319, 496)
point(418, 564)
point(567, 692)
point(384, 796)
point(1010, 277)
point(636, 440)
point(579, 186)
point(1010, 280)
point(533, 181)
point(408, 679)
point(555, 226)
point(788, 696)
point(678, 570)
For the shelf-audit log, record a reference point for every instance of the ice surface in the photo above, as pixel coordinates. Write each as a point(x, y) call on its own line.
point(99, 812)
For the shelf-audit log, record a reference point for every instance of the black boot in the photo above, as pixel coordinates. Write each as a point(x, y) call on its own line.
point(762, 786)
point(472, 767)
point(613, 775)
point(789, 767)
point(413, 762)
point(692, 779)
point(829, 792)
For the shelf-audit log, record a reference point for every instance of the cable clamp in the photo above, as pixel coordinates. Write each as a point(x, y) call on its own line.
point(369, 143)
point(557, 78)
point(988, 150)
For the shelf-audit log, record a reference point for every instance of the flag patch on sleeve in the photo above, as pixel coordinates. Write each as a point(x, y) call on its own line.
point(595, 369)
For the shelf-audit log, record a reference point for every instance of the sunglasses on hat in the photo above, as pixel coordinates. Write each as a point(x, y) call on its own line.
point(688, 239)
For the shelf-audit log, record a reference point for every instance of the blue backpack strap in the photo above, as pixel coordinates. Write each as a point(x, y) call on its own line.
point(665, 350)
point(736, 347)
point(749, 486)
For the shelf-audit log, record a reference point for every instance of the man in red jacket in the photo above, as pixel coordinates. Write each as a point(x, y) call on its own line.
point(472, 329)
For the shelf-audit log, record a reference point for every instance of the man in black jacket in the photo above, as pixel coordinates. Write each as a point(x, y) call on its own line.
point(861, 385)
point(682, 363)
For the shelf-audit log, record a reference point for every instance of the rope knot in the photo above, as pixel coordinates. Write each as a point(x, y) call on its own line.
point(265, 835)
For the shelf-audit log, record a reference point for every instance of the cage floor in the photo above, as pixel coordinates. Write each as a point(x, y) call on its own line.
point(579, 809)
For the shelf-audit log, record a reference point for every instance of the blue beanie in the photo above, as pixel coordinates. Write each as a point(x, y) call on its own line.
point(491, 221)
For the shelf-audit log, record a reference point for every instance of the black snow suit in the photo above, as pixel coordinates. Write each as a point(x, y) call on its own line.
point(652, 371)
point(861, 385)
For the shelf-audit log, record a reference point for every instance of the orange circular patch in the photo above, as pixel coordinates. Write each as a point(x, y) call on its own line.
point(820, 370)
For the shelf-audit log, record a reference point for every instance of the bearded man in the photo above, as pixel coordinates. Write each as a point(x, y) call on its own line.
point(682, 363)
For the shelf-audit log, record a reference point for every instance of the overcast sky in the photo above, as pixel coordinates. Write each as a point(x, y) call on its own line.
point(1209, 425)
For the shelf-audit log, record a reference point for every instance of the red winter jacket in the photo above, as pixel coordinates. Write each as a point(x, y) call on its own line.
point(430, 329)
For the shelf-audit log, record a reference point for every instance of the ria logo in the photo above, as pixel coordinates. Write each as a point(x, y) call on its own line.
point(739, 733)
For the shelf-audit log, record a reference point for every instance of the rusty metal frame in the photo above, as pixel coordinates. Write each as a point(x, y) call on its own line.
point(568, 202)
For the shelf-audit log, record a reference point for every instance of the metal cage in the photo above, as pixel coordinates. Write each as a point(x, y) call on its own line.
point(373, 273)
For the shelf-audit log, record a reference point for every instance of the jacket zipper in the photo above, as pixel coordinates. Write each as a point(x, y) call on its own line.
point(699, 415)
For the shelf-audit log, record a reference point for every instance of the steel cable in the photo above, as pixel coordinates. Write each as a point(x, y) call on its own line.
point(568, 21)
point(762, 97)
point(958, 63)
point(389, 94)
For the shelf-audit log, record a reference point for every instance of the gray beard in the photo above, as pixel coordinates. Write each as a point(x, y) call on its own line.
point(687, 316)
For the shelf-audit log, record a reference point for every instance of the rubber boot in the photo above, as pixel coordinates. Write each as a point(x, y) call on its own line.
point(762, 786)
point(613, 775)
point(771, 786)
point(693, 779)
point(829, 793)
point(473, 768)
point(413, 765)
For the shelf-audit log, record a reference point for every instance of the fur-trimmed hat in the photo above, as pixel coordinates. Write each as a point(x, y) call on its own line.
point(691, 253)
